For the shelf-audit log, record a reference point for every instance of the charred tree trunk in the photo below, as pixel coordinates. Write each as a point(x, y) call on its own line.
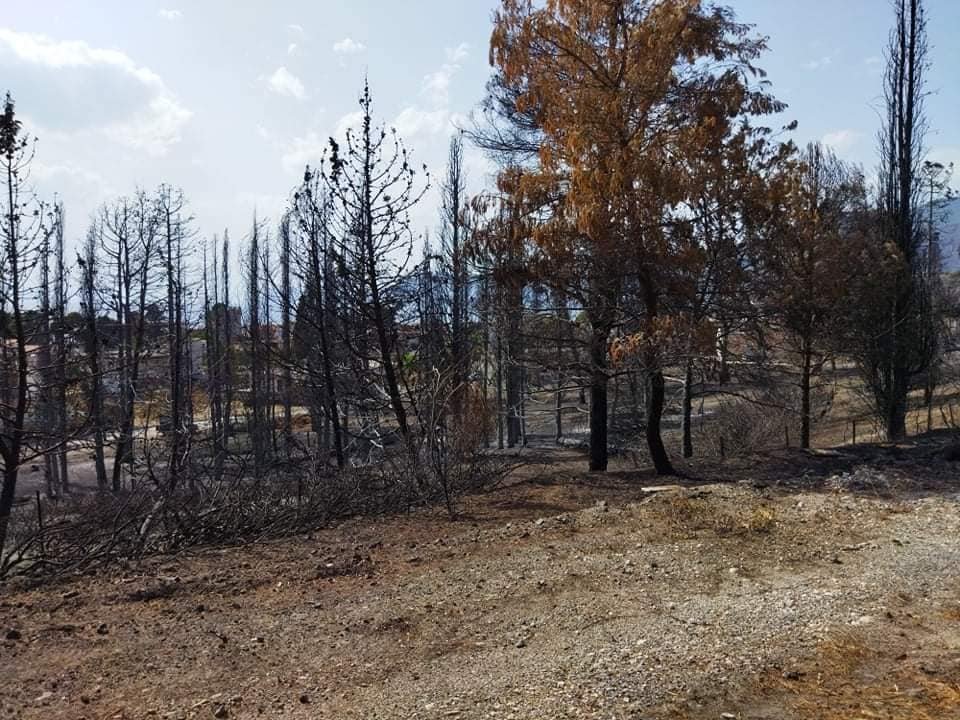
point(806, 365)
point(656, 391)
point(89, 265)
point(61, 356)
point(599, 380)
point(286, 341)
point(686, 431)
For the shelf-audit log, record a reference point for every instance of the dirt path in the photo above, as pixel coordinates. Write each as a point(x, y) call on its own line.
point(718, 601)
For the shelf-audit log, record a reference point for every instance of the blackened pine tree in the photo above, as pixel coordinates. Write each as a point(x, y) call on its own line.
point(374, 186)
point(891, 348)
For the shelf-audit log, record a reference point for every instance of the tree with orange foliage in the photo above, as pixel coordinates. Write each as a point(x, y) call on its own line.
point(709, 289)
point(807, 254)
point(623, 94)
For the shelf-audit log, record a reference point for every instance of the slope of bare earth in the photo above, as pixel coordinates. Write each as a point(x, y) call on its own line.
point(793, 593)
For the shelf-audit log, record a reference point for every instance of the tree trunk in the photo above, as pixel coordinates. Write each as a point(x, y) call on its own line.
point(93, 362)
point(514, 400)
point(896, 419)
point(598, 400)
point(687, 442)
point(226, 364)
point(173, 350)
point(286, 307)
point(7, 494)
point(501, 419)
point(655, 404)
point(61, 352)
point(805, 372)
point(657, 391)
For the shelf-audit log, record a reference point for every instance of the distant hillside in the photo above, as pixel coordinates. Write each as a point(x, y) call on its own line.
point(950, 235)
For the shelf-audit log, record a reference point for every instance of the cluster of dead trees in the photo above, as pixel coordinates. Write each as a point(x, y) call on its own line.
point(644, 227)
point(175, 365)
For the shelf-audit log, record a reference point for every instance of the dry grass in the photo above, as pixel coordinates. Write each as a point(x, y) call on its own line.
point(688, 515)
point(761, 520)
point(921, 699)
point(855, 680)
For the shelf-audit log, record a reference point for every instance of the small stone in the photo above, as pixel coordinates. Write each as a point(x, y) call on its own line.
point(102, 629)
point(44, 698)
point(13, 634)
point(521, 643)
point(304, 699)
point(220, 712)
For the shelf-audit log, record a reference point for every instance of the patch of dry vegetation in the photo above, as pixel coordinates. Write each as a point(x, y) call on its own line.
point(688, 515)
point(849, 685)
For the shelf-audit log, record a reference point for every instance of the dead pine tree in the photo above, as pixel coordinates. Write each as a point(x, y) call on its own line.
point(454, 232)
point(48, 371)
point(890, 346)
point(936, 189)
point(316, 326)
point(130, 246)
point(89, 307)
point(20, 235)
point(226, 358)
point(286, 338)
point(171, 206)
point(269, 350)
point(60, 293)
point(373, 184)
point(258, 430)
point(212, 334)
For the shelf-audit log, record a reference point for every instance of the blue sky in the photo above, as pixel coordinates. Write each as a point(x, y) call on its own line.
point(228, 99)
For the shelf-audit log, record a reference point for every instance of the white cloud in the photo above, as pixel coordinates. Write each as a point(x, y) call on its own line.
point(350, 121)
point(43, 50)
point(348, 46)
point(170, 14)
point(459, 53)
point(68, 173)
point(153, 127)
point(65, 84)
point(283, 82)
point(422, 126)
point(819, 64)
point(293, 49)
point(436, 85)
point(303, 150)
point(415, 121)
point(841, 140)
point(295, 29)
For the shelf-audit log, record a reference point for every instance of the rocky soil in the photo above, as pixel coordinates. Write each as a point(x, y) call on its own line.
point(560, 597)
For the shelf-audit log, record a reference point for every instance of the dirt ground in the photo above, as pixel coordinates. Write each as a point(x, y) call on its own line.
point(792, 585)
